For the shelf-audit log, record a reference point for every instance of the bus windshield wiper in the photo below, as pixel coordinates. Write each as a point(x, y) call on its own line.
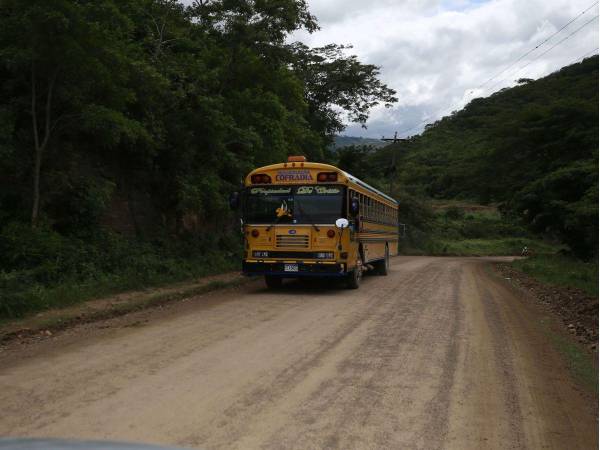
point(273, 224)
point(308, 216)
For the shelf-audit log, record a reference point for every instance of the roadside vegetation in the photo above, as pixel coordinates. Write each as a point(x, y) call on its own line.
point(43, 269)
point(560, 270)
point(466, 229)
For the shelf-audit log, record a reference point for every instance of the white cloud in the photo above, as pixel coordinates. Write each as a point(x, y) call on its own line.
point(436, 53)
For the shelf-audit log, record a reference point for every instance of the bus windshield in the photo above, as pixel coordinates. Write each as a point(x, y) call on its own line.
point(317, 204)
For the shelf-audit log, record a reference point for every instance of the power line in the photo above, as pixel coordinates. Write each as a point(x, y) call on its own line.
point(523, 56)
point(530, 62)
point(427, 120)
point(561, 41)
point(582, 57)
point(537, 46)
point(546, 51)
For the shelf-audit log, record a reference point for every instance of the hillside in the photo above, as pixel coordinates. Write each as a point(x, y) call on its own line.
point(531, 149)
point(346, 141)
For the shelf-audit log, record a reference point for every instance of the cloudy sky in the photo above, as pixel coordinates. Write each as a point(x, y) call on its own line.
point(437, 53)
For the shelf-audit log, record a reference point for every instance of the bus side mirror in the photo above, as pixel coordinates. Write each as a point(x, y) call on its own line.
point(342, 223)
point(354, 207)
point(234, 200)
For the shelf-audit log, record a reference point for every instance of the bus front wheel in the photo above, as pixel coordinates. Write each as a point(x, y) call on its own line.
point(273, 282)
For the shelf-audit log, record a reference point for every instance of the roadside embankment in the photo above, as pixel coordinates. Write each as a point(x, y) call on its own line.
point(47, 322)
point(571, 322)
point(577, 309)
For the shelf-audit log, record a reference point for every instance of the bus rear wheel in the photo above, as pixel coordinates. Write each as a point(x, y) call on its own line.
point(273, 282)
point(354, 277)
point(383, 266)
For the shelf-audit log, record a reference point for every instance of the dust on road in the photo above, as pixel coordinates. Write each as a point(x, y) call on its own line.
point(439, 354)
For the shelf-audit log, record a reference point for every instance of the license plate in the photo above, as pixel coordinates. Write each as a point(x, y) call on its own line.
point(290, 267)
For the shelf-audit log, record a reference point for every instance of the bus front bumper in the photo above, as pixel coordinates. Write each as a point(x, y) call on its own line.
point(278, 268)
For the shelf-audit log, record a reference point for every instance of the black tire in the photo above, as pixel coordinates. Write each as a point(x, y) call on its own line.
point(354, 278)
point(273, 282)
point(383, 267)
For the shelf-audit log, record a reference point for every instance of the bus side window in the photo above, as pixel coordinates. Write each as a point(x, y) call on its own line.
point(361, 202)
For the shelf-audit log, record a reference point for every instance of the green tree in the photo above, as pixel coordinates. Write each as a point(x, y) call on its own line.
point(68, 70)
point(162, 105)
point(334, 81)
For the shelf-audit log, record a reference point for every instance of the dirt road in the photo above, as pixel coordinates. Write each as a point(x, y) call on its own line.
point(439, 354)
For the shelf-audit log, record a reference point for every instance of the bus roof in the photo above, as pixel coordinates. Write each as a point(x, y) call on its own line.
point(318, 166)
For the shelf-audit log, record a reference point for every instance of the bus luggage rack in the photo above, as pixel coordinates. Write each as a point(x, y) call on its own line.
point(290, 240)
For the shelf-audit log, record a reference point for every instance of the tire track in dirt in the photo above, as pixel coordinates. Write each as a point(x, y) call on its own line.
point(436, 355)
point(246, 410)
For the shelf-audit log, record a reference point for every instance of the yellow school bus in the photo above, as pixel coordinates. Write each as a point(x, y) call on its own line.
point(305, 219)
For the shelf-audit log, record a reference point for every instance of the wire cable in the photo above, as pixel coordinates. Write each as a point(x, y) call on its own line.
point(536, 47)
point(546, 51)
point(443, 114)
point(582, 57)
point(402, 133)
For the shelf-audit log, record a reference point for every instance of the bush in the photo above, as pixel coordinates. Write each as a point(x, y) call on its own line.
point(454, 213)
point(455, 232)
point(47, 270)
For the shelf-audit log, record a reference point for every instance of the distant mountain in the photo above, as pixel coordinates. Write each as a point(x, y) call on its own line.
point(346, 141)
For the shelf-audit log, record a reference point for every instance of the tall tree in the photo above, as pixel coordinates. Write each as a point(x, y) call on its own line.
point(165, 104)
point(337, 82)
point(69, 68)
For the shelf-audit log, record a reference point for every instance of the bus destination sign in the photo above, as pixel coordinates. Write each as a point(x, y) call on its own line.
point(293, 175)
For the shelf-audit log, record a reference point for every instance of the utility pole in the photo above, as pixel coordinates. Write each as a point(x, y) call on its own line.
point(394, 140)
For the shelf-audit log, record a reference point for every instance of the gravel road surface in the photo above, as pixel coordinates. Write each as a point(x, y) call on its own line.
point(439, 354)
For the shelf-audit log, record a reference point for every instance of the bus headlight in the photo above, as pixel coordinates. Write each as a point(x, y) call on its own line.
point(260, 254)
point(325, 255)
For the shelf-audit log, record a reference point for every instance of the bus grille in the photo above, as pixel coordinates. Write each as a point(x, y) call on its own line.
point(296, 241)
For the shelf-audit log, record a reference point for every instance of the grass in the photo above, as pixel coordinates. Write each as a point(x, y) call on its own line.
point(25, 299)
point(458, 228)
point(580, 363)
point(61, 319)
point(484, 247)
point(562, 271)
point(46, 270)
